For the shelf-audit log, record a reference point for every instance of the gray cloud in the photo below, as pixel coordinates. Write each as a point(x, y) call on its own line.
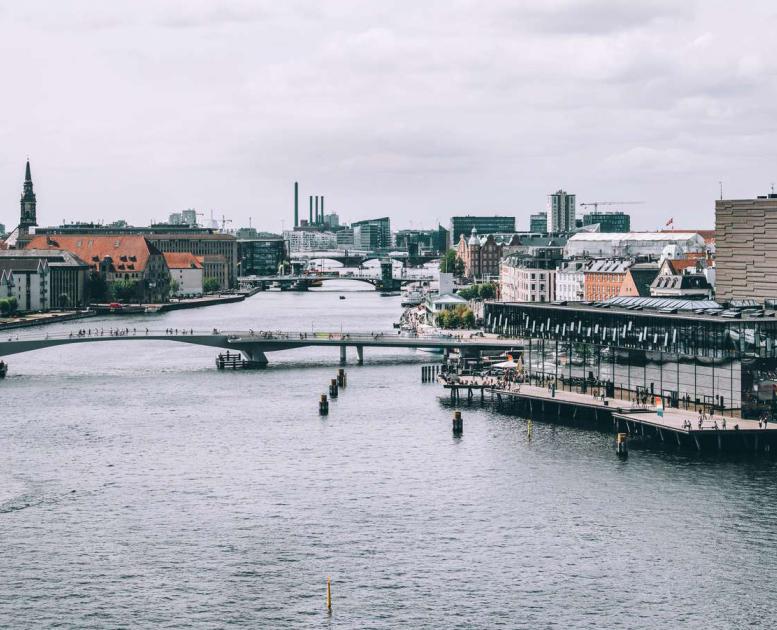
point(419, 110)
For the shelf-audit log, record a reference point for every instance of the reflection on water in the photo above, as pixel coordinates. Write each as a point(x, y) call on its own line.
point(141, 487)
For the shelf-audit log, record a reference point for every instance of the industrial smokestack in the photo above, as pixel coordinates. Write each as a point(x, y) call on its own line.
point(322, 209)
point(310, 221)
point(317, 220)
point(296, 204)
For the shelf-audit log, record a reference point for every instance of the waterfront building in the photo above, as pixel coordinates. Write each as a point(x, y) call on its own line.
point(480, 255)
point(570, 280)
point(638, 279)
point(538, 223)
point(746, 248)
point(219, 247)
point(604, 278)
point(372, 234)
point(61, 281)
point(117, 259)
point(561, 212)
point(2, 230)
point(27, 281)
point(608, 221)
point(529, 277)
point(262, 256)
point(186, 274)
point(692, 353)
point(632, 244)
point(495, 224)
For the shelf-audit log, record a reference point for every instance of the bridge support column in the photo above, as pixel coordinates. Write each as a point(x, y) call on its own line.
point(360, 355)
point(342, 355)
point(257, 356)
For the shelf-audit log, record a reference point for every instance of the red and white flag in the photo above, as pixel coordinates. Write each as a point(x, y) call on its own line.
point(670, 222)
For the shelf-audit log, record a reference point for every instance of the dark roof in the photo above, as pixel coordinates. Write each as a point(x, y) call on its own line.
point(643, 277)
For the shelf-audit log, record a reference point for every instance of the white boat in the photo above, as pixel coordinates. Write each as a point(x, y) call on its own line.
point(413, 295)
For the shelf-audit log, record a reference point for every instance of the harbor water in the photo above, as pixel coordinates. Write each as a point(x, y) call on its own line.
point(140, 487)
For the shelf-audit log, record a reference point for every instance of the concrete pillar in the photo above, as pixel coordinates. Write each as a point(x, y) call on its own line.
point(342, 355)
point(360, 354)
point(254, 354)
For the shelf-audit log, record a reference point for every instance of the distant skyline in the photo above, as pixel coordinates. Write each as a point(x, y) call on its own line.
point(418, 111)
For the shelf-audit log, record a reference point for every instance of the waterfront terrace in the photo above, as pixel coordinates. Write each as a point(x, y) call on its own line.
point(691, 353)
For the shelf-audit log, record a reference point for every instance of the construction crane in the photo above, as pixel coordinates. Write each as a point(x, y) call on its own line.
point(596, 204)
point(224, 222)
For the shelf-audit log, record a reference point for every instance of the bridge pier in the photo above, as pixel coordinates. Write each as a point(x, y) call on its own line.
point(360, 355)
point(342, 355)
point(257, 356)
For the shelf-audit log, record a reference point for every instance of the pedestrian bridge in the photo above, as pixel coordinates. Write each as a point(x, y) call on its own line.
point(303, 282)
point(255, 345)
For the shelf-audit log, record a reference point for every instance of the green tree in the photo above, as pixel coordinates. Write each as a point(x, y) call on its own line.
point(487, 291)
point(448, 262)
point(442, 319)
point(211, 285)
point(5, 306)
point(174, 286)
point(458, 268)
point(97, 287)
point(125, 290)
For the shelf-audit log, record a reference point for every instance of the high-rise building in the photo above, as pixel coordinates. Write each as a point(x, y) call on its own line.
point(609, 221)
point(746, 248)
point(561, 212)
point(462, 225)
point(538, 223)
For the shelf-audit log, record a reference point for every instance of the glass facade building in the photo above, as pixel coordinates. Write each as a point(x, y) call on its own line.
point(694, 356)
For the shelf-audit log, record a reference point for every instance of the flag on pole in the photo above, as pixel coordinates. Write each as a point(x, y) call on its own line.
point(670, 222)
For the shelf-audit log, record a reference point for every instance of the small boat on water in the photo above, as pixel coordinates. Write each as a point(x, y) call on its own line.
point(389, 293)
point(342, 297)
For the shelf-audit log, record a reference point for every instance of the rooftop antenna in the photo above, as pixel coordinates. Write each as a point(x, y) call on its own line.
point(772, 187)
point(249, 222)
point(721, 189)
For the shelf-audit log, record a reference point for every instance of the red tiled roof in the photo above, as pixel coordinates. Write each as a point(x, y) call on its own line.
point(128, 253)
point(182, 260)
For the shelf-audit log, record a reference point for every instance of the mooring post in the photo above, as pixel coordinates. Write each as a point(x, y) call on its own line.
point(458, 423)
point(342, 379)
point(333, 388)
point(323, 405)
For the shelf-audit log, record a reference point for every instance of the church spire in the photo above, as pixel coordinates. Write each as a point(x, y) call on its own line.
point(28, 203)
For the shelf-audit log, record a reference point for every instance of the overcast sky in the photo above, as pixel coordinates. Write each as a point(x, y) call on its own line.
point(419, 110)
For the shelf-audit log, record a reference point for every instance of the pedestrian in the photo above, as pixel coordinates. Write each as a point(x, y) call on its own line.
point(723, 422)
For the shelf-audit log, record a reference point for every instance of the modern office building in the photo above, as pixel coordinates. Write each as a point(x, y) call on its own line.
point(262, 256)
point(538, 223)
point(609, 221)
point(692, 353)
point(372, 233)
point(746, 248)
point(462, 225)
point(561, 212)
